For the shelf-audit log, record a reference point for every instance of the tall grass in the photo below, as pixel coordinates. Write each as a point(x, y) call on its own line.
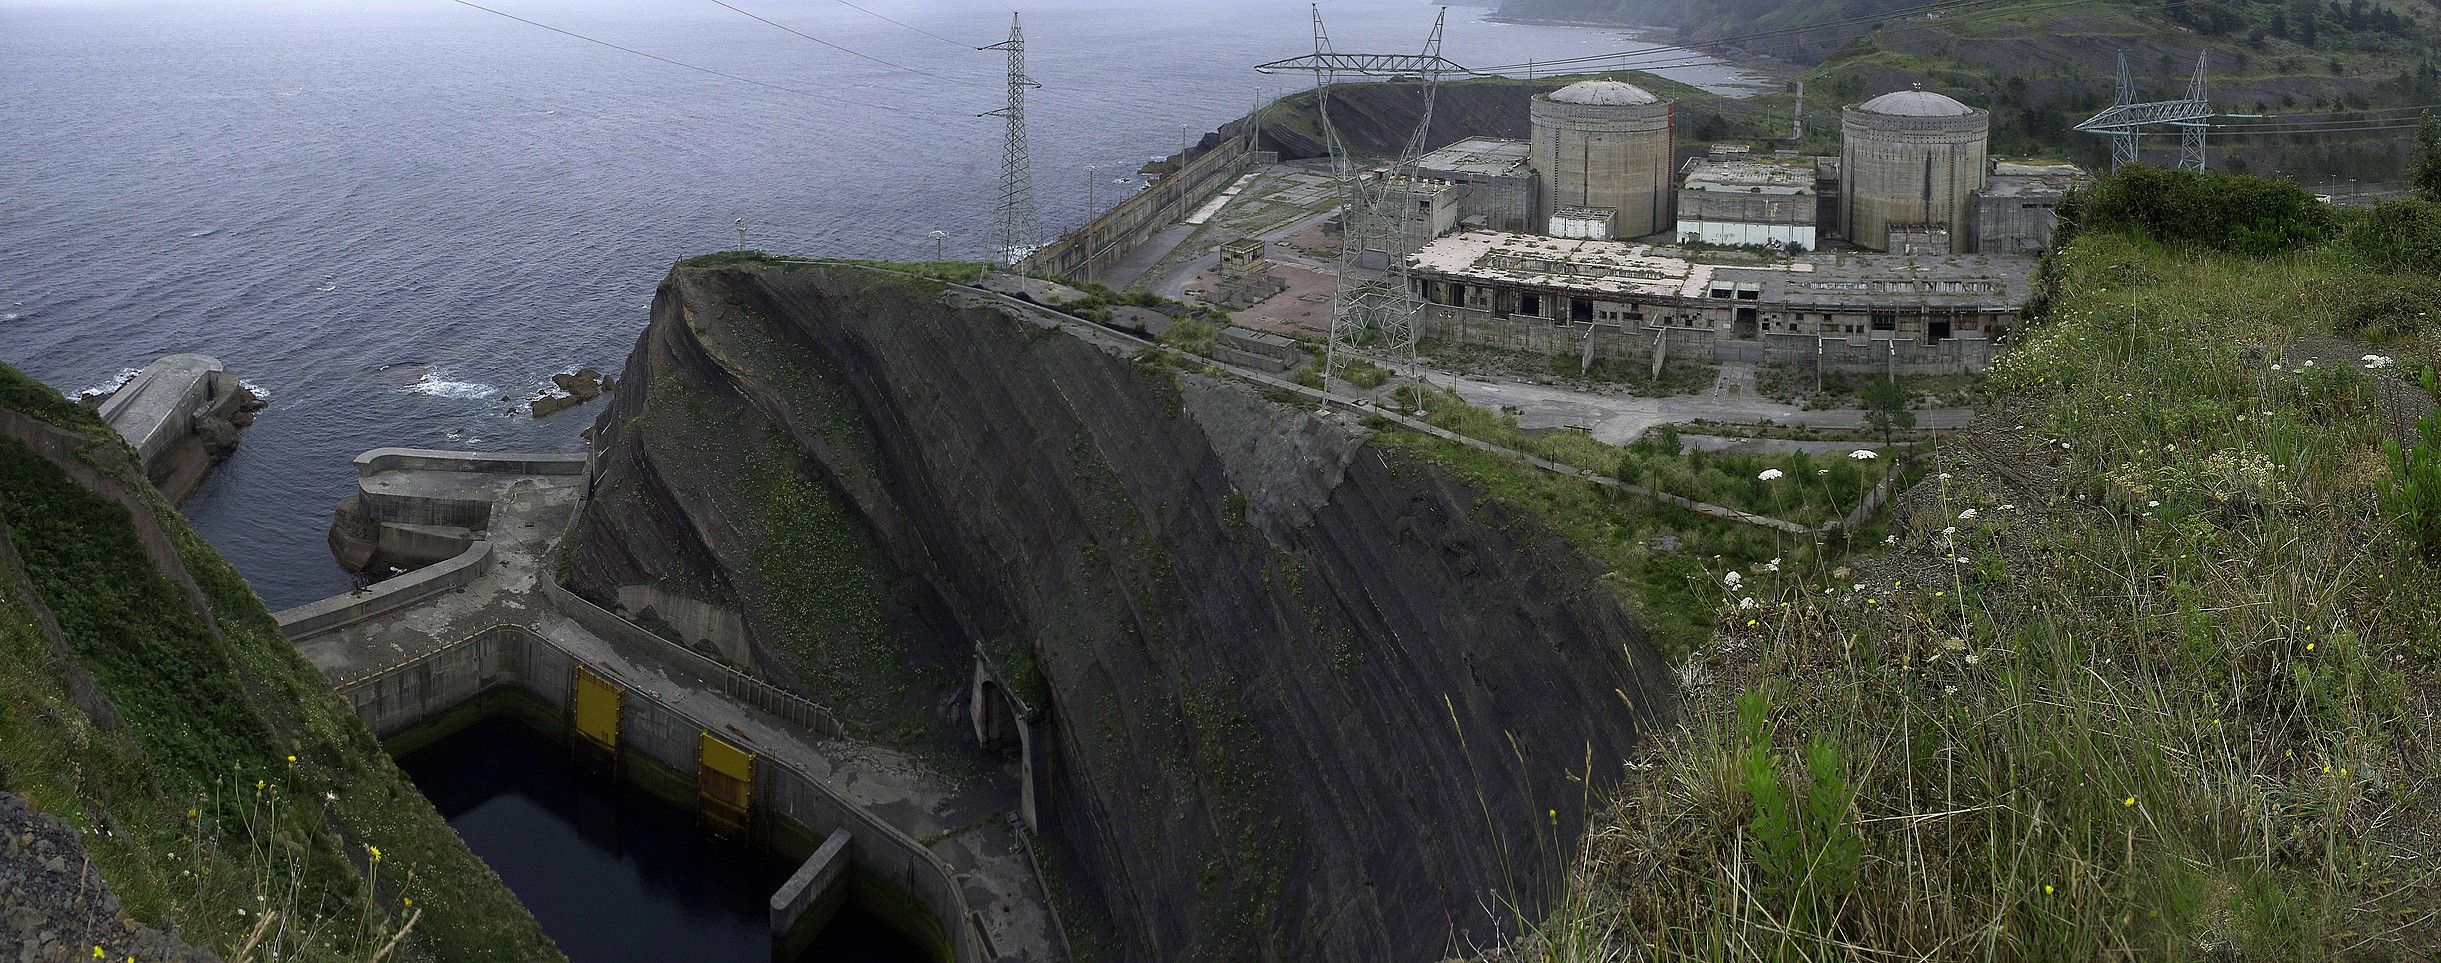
point(2147, 675)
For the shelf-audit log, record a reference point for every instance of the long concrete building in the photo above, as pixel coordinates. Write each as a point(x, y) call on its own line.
point(1921, 313)
point(1606, 145)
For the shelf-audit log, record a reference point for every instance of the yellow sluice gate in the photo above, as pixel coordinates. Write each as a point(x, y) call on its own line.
point(596, 708)
point(724, 785)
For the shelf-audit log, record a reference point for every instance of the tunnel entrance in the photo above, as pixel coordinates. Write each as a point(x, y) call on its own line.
point(615, 873)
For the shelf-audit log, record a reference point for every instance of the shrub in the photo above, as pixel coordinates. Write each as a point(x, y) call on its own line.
point(2215, 211)
point(2401, 236)
point(2412, 494)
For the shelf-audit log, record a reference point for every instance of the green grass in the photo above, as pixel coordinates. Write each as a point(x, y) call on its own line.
point(236, 779)
point(1811, 489)
point(2161, 696)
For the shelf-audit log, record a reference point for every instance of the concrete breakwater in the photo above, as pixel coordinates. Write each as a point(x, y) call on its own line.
point(752, 758)
point(181, 414)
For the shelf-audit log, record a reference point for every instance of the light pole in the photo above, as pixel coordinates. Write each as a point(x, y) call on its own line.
point(1090, 172)
point(936, 244)
point(741, 234)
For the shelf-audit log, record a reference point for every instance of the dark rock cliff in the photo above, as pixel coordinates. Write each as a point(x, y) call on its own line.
point(1306, 697)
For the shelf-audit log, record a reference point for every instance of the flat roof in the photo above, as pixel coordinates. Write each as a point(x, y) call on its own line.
point(2035, 167)
point(2012, 185)
point(1481, 157)
point(1634, 268)
point(1751, 176)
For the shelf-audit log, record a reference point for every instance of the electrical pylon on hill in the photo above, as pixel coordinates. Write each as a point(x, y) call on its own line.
point(1016, 232)
point(1369, 309)
point(2124, 120)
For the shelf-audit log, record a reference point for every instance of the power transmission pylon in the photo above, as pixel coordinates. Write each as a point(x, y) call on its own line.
point(2124, 148)
point(2124, 120)
point(2191, 134)
point(1015, 231)
point(1374, 216)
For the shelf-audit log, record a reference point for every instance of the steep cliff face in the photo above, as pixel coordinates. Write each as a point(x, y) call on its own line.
point(1305, 697)
point(222, 791)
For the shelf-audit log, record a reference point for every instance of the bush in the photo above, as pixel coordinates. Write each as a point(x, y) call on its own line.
point(2412, 495)
point(2213, 211)
point(2401, 236)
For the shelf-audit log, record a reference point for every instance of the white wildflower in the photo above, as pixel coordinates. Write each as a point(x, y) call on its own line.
point(1769, 474)
point(1864, 454)
point(1733, 580)
point(1772, 566)
point(1746, 603)
point(1890, 539)
point(2153, 504)
point(1968, 515)
point(2376, 362)
point(1950, 530)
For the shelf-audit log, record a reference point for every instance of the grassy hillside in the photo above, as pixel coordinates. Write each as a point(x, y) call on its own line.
point(222, 789)
point(2145, 669)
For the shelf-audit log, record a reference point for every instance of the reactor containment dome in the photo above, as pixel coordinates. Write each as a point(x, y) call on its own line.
point(1606, 145)
point(1910, 162)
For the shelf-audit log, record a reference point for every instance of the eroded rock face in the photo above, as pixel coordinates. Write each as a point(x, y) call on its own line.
point(1307, 697)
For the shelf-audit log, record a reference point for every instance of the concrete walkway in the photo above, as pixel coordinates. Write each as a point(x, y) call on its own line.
point(954, 820)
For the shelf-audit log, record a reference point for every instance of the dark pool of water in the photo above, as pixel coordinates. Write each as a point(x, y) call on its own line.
point(613, 874)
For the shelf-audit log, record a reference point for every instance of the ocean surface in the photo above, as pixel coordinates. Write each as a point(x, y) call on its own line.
point(390, 215)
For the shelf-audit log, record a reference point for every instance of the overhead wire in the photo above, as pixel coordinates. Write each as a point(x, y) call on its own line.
point(858, 54)
point(1653, 50)
point(910, 26)
point(783, 88)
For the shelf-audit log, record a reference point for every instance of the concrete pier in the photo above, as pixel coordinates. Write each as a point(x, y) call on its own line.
point(406, 650)
point(181, 414)
point(805, 887)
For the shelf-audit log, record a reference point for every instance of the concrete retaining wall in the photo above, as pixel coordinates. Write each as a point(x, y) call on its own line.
point(397, 699)
point(341, 611)
point(738, 686)
point(503, 463)
point(1089, 250)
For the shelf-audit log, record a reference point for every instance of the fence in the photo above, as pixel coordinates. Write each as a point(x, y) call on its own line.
point(738, 686)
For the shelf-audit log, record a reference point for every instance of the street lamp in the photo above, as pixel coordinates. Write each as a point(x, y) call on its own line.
point(936, 244)
point(1090, 171)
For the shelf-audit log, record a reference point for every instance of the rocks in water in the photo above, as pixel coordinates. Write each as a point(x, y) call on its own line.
point(572, 389)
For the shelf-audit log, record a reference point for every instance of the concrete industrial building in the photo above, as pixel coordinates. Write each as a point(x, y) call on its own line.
point(1606, 145)
point(1920, 314)
point(2017, 209)
point(1737, 200)
point(1497, 185)
point(1910, 163)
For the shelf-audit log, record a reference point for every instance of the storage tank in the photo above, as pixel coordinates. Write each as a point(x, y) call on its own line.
point(1605, 144)
point(1910, 162)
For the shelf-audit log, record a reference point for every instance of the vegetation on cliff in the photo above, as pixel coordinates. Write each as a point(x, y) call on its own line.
point(2146, 670)
point(222, 789)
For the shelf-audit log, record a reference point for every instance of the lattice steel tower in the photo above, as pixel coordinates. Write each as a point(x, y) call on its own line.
point(2126, 119)
point(1372, 309)
point(1016, 232)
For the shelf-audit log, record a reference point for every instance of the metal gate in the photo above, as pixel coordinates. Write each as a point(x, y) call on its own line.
point(724, 784)
point(596, 708)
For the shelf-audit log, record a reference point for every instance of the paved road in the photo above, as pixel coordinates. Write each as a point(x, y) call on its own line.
point(1619, 419)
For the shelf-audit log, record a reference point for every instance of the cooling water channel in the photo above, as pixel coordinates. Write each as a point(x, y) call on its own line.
point(613, 873)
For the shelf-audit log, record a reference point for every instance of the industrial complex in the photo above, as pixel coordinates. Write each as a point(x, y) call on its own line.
point(1600, 236)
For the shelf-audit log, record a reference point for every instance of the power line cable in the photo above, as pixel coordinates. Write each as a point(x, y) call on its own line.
point(674, 63)
point(1675, 49)
point(910, 26)
point(860, 55)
